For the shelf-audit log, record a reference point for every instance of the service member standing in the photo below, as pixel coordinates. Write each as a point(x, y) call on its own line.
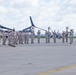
point(13, 38)
point(48, 33)
point(66, 34)
point(20, 38)
point(71, 36)
point(54, 36)
point(25, 37)
point(9, 38)
point(4, 37)
point(38, 36)
point(16, 38)
point(32, 37)
point(63, 36)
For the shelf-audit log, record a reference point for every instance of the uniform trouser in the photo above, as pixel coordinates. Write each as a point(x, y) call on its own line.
point(32, 40)
point(66, 38)
point(63, 40)
point(71, 40)
point(8, 41)
point(25, 40)
point(20, 40)
point(54, 40)
point(38, 40)
point(16, 40)
point(48, 39)
point(13, 41)
point(4, 41)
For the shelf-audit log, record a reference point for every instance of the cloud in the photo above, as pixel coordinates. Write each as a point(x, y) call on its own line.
point(54, 13)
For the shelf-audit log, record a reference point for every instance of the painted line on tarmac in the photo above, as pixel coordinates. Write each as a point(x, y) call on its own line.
point(56, 70)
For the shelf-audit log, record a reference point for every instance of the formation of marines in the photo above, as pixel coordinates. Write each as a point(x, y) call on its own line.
point(14, 38)
point(67, 35)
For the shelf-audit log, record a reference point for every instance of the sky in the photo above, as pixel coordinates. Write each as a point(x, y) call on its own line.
point(56, 14)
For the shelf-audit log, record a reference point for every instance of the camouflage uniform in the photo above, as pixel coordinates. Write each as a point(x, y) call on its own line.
point(48, 33)
point(16, 38)
point(66, 34)
point(63, 36)
point(32, 37)
point(4, 38)
point(38, 35)
point(11, 38)
point(20, 38)
point(71, 36)
point(54, 36)
point(25, 37)
point(49, 36)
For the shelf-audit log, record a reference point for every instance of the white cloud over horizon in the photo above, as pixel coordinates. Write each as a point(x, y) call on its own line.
point(54, 13)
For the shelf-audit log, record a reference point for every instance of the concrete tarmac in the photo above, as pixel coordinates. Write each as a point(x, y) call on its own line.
point(69, 71)
point(39, 59)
